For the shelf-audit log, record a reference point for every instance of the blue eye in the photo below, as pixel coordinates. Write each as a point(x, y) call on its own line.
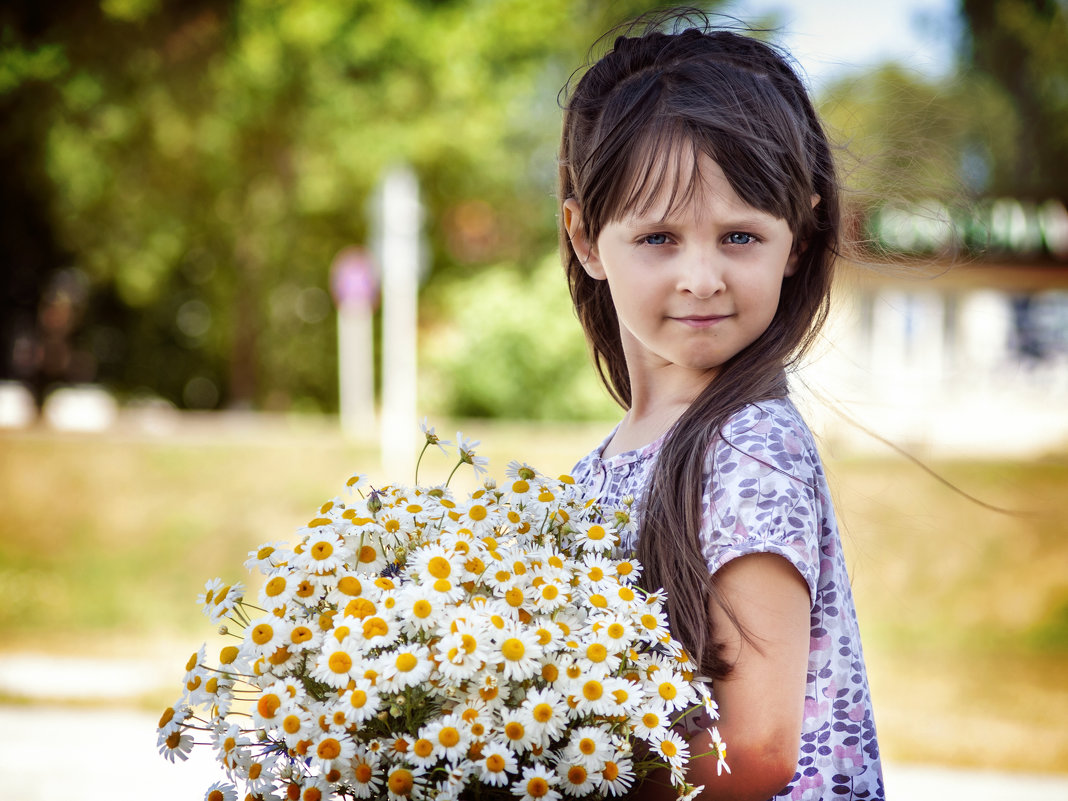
point(740, 238)
point(655, 239)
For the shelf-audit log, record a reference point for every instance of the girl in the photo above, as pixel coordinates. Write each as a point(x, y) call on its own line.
point(699, 229)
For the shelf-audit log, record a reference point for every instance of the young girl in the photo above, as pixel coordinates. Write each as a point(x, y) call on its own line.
point(700, 225)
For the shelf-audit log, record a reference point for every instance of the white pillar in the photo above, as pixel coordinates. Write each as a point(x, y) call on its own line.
point(400, 220)
point(355, 288)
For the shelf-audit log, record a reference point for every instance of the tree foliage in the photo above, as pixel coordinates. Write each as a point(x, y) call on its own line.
point(203, 162)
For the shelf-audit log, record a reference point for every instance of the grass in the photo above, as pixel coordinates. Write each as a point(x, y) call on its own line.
point(106, 540)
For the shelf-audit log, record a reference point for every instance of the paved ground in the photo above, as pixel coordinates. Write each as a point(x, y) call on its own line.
point(56, 752)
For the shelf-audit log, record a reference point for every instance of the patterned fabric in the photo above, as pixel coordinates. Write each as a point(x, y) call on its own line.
point(766, 492)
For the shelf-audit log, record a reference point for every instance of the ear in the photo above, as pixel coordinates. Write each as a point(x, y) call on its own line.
point(798, 248)
point(584, 249)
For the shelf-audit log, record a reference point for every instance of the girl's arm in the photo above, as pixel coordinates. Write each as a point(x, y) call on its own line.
point(762, 701)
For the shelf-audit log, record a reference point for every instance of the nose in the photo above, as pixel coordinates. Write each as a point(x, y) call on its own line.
point(700, 274)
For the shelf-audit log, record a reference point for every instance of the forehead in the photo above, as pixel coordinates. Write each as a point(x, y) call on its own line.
point(683, 181)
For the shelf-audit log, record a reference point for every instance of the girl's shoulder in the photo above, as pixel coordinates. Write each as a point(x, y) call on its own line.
point(772, 431)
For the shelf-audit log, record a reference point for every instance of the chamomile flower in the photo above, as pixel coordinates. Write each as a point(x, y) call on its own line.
point(594, 537)
point(365, 774)
point(405, 783)
point(266, 635)
point(673, 748)
point(518, 732)
point(588, 745)
point(575, 778)
point(463, 651)
point(175, 745)
point(651, 623)
point(337, 664)
point(467, 453)
point(362, 702)
point(268, 557)
point(323, 549)
point(548, 595)
point(516, 650)
point(538, 783)
point(221, 791)
point(355, 483)
point(432, 438)
point(221, 599)
point(671, 690)
point(719, 748)
point(407, 666)
point(329, 749)
point(229, 744)
point(597, 571)
point(449, 736)
point(651, 722)
point(496, 763)
point(616, 776)
point(546, 711)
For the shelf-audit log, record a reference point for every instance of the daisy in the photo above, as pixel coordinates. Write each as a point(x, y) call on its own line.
point(405, 783)
point(355, 482)
point(329, 749)
point(324, 549)
point(365, 774)
point(462, 652)
point(548, 595)
point(467, 454)
point(673, 748)
point(671, 690)
point(589, 746)
point(597, 571)
point(266, 635)
point(538, 783)
point(345, 586)
point(296, 725)
point(518, 733)
point(432, 438)
point(575, 778)
point(593, 537)
point(229, 745)
point(617, 776)
point(546, 712)
point(362, 702)
point(408, 666)
point(221, 791)
point(279, 588)
point(369, 551)
point(337, 663)
point(419, 609)
point(176, 744)
point(719, 748)
point(267, 557)
point(628, 570)
point(516, 649)
point(651, 623)
point(449, 736)
point(650, 722)
point(496, 763)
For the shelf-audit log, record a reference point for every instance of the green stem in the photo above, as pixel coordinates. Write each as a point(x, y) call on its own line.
point(419, 461)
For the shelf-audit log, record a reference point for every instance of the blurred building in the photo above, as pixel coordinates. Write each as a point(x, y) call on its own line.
point(958, 346)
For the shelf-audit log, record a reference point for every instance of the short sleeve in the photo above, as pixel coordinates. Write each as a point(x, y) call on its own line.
point(763, 482)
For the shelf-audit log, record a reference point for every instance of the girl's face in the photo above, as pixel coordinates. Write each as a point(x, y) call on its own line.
point(694, 285)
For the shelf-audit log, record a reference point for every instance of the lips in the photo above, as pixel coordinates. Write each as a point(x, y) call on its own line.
point(701, 320)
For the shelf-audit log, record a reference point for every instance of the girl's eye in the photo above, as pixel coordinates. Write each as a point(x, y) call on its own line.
point(740, 238)
point(655, 239)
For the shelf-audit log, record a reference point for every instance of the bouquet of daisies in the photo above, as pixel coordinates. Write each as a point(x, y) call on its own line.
point(412, 644)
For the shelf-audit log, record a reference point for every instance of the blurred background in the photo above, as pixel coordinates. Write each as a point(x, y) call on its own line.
point(248, 244)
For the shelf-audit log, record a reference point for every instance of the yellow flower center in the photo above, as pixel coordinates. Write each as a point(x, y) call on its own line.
point(514, 730)
point(542, 713)
point(406, 662)
point(537, 787)
point(449, 736)
point(668, 748)
point(592, 690)
point(262, 634)
point(375, 627)
point(576, 774)
point(439, 567)
point(513, 649)
point(667, 691)
point(423, 748)
point(401, 782)
point(329, 748)
point(494, 763)
point(598, 601)
point(358, 699)
point(596, 652)
point(477, 512)
point(322, 550)
point(268, 705)
point(422, 609)
point(596, 533)
point(340, 662)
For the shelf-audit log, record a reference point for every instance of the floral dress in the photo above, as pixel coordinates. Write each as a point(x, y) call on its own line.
point(765, 492)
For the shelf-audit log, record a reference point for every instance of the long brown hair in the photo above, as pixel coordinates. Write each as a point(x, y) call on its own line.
point(654, 95)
